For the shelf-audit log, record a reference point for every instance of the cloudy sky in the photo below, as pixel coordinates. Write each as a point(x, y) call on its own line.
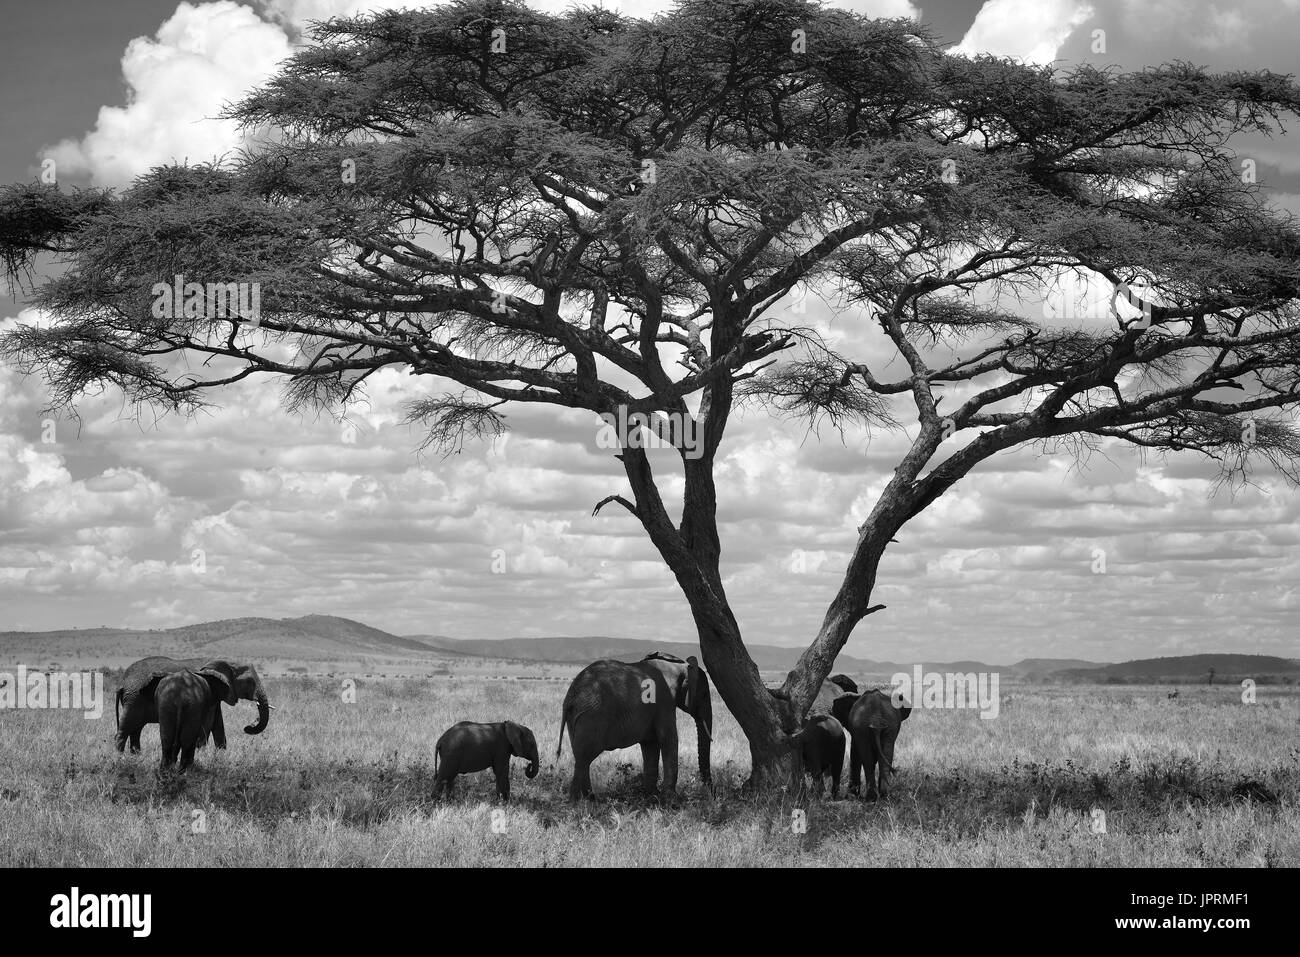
point(101, 521)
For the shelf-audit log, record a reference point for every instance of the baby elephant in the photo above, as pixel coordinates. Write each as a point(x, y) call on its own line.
point(821, 742)
point(470, 746)
point(188, 702)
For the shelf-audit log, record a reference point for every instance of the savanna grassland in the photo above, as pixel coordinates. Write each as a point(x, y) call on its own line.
point(338, 784)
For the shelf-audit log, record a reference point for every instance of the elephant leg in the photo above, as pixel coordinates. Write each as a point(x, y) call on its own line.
point(167, 738)
point(580, 786)
point(218, 729)
point(886, 764)
point(586, 748)
point(837, 765)
point(650, 765)
point(126, 724)
point(819, 784)
point(855, 768)
point(501, 768)
point(187, 755)
point(668, 753)
point(870, 763)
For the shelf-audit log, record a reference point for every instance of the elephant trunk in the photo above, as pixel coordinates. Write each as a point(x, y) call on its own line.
point(531, 770)
point(263, 712)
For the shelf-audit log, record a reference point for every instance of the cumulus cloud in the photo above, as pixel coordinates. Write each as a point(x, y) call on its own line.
point(1029, 30)
point(202, 57)
point(292, 516)
point(206, 55)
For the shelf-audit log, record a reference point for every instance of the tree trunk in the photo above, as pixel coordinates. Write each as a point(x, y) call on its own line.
point(764, 718)
point(693, 552)
point(849, 607)
point(767, 716)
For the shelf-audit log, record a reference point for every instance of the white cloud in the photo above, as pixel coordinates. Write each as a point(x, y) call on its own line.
point(1030, 30)
point(204, 56)
point(293, 518)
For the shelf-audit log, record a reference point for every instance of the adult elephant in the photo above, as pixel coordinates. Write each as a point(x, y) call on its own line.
point(136, 706)
point(873, 720)
point(831, 689)
point(188, 705)
point(616, 704)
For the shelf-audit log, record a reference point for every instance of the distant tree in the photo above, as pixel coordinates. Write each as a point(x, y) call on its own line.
point(1211, 681)
point(618, 215)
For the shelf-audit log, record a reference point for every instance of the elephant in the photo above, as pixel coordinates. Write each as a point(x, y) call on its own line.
point(821, 745)
point(831, 689)
point(470, 746)
point(187, 702)
point(136, 706)
point(616, 704)
point(873, 722)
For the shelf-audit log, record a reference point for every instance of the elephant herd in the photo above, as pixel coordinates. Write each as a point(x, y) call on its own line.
point(609, 705)
point(184, 699)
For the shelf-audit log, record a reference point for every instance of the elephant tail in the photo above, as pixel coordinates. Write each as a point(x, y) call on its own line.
point(880, 751)
point(559, 745)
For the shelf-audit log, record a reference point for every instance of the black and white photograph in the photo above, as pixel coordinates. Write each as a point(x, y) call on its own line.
point(745, 434)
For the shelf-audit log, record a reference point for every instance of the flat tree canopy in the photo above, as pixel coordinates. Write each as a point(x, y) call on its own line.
point(616, 215)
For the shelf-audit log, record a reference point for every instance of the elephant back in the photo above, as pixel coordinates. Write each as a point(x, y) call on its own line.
point(144, 674)
point(875, 709)
point(826, 696)
point(590, 686)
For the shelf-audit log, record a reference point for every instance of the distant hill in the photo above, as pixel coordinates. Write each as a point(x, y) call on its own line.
point(335, 639)
point(1187, 669)
point(575, 650)
point(310, 638)
point(1046, 666)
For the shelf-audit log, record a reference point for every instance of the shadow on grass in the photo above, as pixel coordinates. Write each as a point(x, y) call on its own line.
point(960, 802)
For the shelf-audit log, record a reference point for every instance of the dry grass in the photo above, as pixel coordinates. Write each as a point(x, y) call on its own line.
point(333, 784)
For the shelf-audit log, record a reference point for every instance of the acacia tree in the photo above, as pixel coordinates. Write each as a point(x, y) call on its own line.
point(604, 213)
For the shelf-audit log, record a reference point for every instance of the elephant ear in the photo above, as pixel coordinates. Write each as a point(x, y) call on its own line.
point(514, 734)
point(900, 704)
point(694, 675)
point(222, 679)
point(844, 682)
point(841, 707)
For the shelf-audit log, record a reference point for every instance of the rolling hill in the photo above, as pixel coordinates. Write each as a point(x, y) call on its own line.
point(1186, 669)
point(571, 650)
point(321, 638)
point(309, 638)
